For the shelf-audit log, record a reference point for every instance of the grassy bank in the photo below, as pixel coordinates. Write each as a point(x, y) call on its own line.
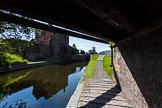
point(89, 72)
point(106, 65)
point(7, 59)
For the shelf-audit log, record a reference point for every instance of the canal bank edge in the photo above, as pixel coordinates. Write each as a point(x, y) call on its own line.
point(24, 66)
point(73, 102)
point(75, 58)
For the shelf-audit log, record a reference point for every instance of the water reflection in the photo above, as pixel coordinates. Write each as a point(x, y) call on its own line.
point(39, 83)
point(78, 69)
point(18, 104)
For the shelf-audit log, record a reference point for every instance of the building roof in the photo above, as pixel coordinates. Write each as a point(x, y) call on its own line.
point(104, 19)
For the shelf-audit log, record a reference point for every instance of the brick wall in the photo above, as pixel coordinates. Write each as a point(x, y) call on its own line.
point(138, 64)
point(36, 52)
point(44, 37)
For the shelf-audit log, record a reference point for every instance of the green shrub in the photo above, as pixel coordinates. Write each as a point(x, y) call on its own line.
point(106, 65)
point(7, 59)
point(5, 47)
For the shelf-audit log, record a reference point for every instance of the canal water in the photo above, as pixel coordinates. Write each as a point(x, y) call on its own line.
point(49, 86)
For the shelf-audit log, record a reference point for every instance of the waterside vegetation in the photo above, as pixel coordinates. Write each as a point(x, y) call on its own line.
point(89, 72)
point(106, 65)
point(7, 59)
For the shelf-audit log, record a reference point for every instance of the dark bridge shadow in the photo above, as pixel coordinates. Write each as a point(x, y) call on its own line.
point(144, 63)
point(101, 100)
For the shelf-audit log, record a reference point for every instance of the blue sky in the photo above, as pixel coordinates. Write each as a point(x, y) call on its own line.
point(87, 45)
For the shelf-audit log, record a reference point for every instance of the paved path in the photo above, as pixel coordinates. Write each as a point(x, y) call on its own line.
point(98, 92)
point(101, 57)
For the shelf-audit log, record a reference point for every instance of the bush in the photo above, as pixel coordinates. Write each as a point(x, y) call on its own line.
point(5, 47)
point(7, 59)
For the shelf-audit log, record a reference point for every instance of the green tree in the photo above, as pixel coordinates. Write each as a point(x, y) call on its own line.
point(37, 32)
point(17, 36)
point(14, 33)
point(111, 43)
point(11, 30)
point(74, 46)
point(5, 47)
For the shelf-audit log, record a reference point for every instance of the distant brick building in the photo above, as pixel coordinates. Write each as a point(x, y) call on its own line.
point(50, 44)
point(59, 44)
point(44, 37)
point(93, 51)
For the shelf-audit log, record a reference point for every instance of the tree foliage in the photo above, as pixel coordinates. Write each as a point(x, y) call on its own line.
point(111, 43)
point(74, 46)
point(16, 36)
point(5, 47)
point(11, 30)
point(37, 32)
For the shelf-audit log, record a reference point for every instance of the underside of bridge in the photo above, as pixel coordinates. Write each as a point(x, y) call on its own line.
point(134, 25)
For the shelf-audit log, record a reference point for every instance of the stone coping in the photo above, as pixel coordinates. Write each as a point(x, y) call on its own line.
point(73, 102)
